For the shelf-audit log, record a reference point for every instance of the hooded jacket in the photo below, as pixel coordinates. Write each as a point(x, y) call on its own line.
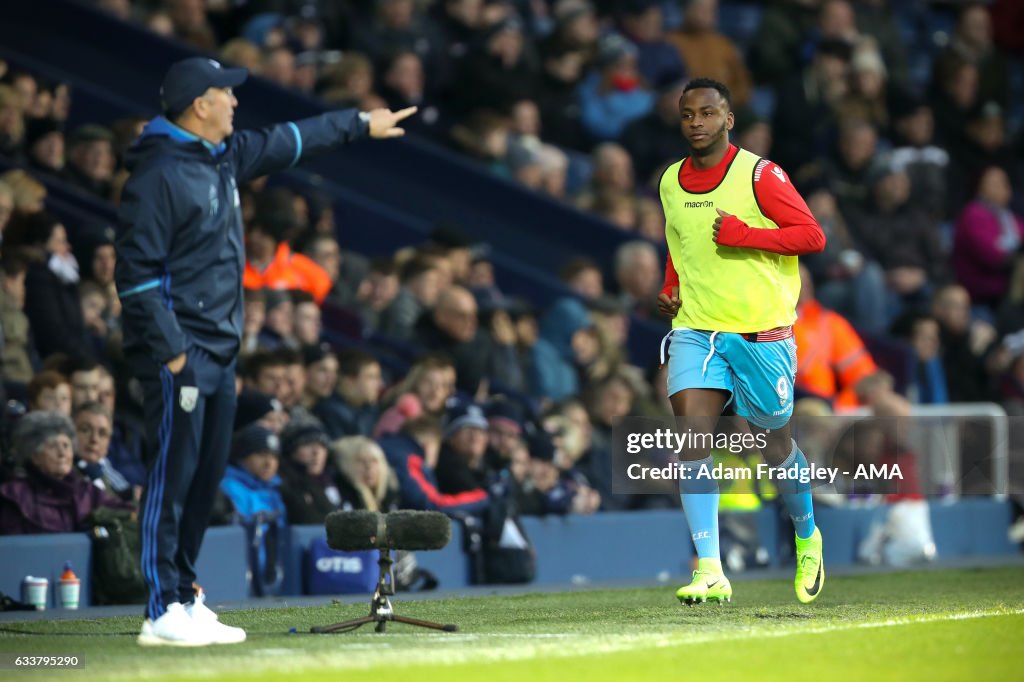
point(179, 238)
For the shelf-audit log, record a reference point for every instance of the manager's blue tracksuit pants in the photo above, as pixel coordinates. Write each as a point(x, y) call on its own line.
point(189, 419)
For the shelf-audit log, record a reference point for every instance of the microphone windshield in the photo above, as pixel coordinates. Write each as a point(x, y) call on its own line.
point(352, 531)
point(418, 530)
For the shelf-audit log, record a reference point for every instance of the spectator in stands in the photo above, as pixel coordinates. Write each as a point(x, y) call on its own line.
point(376, 292)
point(253, 317)
point(263, 371)
point(927, 385)
point(98, 260)
point(278, 66)
point(264, 409)
point(404, 84)
point(84, 374)
point(613, 95)
point(708, 53)
point(453, 328)
point(6, 207)
point(846, 280)
point(831, 358)
point(49, 391)
point(349, 82)
point(643, 22)
point(279, 321)
point(363, 476)
point(49, 497)
point(654, 140)
point(94, 426)
point(126, 440)
point(987, 239)
point(270, 261)
point(321, 374)
point(16, 353)
point(805, 114)
point(752, 133)
point(953, 96)
point(965, 343)
point(352, 410)
point(308, 491)
point(44, 145)
point(499, 72)
point(460, 465)
point(608, 400)
point(29, 193)
point(345, 270)
point(424, 390)
point(561, 73)
point(243, 53)
point(776, 50)
point(638, 275)
point(612, 176)
point(916, 154)
point(901, 236)
point(307, 325)
point(972, 43)
point(12, 122)
point(420, 287)
point(456, 247)
point(504, 432)
point(90, 159)
point(394, 25)
point(294, 384)
point(191, 24)
point(985, 143)
point(567, 343)
point(583, 276)
point(51, 285)
point(868, 96)
point(412, 454)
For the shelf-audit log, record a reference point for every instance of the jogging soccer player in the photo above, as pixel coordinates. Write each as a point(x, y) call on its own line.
point(734, 226)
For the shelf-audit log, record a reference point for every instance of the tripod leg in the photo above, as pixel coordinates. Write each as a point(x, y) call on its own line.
point(424, 623)
point(344, 625)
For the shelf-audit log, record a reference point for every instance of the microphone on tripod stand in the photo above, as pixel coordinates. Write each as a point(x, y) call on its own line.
point(406, 530)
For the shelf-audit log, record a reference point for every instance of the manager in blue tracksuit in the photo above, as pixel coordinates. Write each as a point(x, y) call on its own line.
point(180, 261)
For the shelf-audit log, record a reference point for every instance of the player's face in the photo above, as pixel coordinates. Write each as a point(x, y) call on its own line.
point(705, 119)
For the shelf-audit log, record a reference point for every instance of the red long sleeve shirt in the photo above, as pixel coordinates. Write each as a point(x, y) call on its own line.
point(798, 233)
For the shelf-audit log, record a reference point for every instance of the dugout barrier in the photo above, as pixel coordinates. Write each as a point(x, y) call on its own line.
point(615, 546)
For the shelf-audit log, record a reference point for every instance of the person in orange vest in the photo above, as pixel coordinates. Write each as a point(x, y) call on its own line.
point(270, 262)
point(831, 358)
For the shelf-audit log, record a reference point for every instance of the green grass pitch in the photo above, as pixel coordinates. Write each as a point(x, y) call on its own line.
point(929, 625)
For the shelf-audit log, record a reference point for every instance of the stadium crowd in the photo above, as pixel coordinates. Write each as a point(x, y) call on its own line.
point(908, 159)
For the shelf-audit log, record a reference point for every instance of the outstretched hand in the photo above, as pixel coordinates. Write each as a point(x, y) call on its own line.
point(717, 227)
point(384, 122)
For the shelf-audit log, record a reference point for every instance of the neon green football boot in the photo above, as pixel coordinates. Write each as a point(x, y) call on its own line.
point(708, 584)
point(810, 568)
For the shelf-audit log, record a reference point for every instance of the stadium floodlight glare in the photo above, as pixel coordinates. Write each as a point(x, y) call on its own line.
point(409, 530)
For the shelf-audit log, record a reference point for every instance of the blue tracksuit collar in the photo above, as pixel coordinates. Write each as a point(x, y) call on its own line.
point(161, 126)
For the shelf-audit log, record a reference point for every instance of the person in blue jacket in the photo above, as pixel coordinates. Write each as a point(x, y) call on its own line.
point(412, 454)
point(179, 277)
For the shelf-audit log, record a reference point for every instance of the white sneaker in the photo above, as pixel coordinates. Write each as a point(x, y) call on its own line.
point(217, 632)
point(174, 628)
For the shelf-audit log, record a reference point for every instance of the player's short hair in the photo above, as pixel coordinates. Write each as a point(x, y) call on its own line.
point(712, 84)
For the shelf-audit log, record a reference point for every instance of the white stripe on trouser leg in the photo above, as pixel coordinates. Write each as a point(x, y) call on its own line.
point(704, 367)
point(664, 344)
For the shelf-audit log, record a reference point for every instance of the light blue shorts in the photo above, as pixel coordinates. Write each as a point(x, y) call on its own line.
point(759, 375)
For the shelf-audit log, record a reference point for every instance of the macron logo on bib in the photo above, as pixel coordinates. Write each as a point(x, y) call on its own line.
point(707, 203)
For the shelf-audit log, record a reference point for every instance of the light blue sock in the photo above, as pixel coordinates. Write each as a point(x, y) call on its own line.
point(797, 495)
point(700, 503)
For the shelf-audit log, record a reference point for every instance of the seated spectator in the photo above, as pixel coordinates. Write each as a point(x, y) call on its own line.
point(776, 47)
point(51, 285)
point(363, 476)
point(28, 193)
point(965, 344)
point(94, 426)
point(424, 390)
point(584, 277)
point(917, 154)
point(972, 42)
point(643, 22)
point(847, 172)
point(927, 385)
point(420, 280)
point(90, 159)
point(126, 441)
point(251, 483)
point(500, 72)
point(346, 269)
point(6, 206)
point(84, 374)
point(49, 391)
point(392, 25)
point(376, 292)
point(12, 121)
point(412, 454)
point(348, 82)
point(655, 140)
point(262, 409)
point(254, 315)
point(638, 275)
point(44, 145)
point(321, 374)
point(264, 371)
point(608, 400)
point(49, 496)
point(567, 342)
point(557, 99)
point(307, 489)
point(270, 262)
point(505, 421)
point(453, 328)
point(846, 280)
point(307, 325)
point(831, 358)
point(460, 466)
point(708, 53)
point(17, 351)
point(352, 410)
point(987, 239)
point(404, 84)
point(293, 388)
point(868, 97)
point(612, 96)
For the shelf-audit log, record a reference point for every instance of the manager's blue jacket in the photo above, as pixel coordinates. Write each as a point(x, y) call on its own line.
point(180, 257)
